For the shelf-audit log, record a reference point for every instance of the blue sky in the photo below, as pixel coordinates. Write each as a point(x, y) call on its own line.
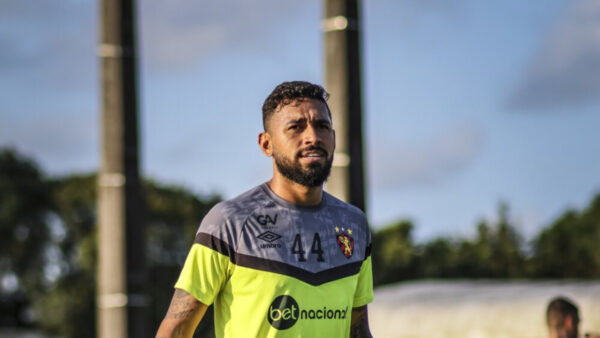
point(467, 103)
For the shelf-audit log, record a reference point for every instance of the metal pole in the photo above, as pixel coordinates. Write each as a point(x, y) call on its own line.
point(341, 27)
point(120, 300)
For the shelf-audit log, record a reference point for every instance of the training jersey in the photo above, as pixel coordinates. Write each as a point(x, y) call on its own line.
point(276, 269)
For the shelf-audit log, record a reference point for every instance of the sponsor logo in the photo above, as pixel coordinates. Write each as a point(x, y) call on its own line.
point(345, 241)
point(269, 236)
point(270, 246)
point(284, 312)
point(266, 219)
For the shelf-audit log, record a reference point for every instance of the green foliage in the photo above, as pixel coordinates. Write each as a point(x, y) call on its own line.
point(173, 214)
point(50, 225)
point(75, 205)
point(495, 252)
point(569, 247)
point(507, 257)
point(68, 307)
point(566, 249)
point(24, 207)
point(436, 258)
point(474, 257)
point(24, 203)
point(392, 252)
point(48, 244)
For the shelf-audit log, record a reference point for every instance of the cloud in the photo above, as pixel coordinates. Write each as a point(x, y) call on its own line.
point(47, 43)
point(428, 162)
point(49, 66)
point(58, 141)
point(410, 20)
point(55, 43)
point(566, 71)
point(178, 33)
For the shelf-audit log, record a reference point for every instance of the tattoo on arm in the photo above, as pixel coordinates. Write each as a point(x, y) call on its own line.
point(359, 326)
point(182, 305)
point(182, 317)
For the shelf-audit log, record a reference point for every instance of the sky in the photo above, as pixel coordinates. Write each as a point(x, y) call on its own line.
point(467, 103)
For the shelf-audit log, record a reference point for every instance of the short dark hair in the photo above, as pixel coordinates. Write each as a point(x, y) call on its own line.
point(287, 92)
point(558, 309)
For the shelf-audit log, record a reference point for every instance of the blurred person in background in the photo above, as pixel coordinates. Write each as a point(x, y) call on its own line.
point(284, 258)
point(562, 318)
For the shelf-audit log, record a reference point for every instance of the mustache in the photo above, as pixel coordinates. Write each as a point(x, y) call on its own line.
point(311, 148)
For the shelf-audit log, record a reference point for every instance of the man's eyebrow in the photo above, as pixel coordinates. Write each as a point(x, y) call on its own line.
point(304, 120)
point(298, 120)
point(322, 121)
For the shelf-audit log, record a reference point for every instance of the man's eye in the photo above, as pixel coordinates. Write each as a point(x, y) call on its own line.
point(293, 127)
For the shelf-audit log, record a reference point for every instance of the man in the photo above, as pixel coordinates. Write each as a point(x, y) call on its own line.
point(285, 258)
point(562, 317)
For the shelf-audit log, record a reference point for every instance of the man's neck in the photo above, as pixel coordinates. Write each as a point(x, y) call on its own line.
point(294, 192)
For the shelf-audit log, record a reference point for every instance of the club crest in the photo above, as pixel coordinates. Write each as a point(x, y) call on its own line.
point(345, 241)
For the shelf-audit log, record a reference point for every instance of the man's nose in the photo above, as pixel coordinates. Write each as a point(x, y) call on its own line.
point(311, 136)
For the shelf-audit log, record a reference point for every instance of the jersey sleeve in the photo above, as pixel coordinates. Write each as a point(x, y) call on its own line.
point(206, 267)
point(364, 288)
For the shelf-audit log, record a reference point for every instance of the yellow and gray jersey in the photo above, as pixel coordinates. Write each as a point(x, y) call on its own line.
point(276, 269)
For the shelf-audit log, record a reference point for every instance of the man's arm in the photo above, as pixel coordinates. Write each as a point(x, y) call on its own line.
point(359, 323)
point(184, 314)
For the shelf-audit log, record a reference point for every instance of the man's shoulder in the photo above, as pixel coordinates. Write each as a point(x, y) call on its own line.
point(234, 211)
point(225, 221)
point(334, 202)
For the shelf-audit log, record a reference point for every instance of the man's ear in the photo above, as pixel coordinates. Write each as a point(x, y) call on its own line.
point(333, 130)
point(569, 322)
point(265, 144)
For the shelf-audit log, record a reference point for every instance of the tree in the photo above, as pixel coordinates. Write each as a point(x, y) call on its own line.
point(496, 252)
point(437, 259)
point(68, 307)
point(474, 257)
point(569, 247)
point(507, 258)
point(24, 207)
point(173, 215)
point(392, 253)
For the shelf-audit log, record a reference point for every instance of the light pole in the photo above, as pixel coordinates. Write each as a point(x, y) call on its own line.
point(341, 27)
point(120, 300)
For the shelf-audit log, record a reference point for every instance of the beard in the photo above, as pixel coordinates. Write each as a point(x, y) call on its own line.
point(313, 176)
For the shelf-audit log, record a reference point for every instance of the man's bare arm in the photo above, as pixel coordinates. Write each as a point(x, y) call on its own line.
point(184, 314)
point(359, 323)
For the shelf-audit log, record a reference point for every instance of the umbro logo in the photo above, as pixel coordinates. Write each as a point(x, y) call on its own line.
point(268, 236)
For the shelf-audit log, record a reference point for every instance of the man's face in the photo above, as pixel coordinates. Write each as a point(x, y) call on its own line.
point(303, 141)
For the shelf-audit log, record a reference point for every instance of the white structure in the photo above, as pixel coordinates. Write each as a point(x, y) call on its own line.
point(477, 309)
